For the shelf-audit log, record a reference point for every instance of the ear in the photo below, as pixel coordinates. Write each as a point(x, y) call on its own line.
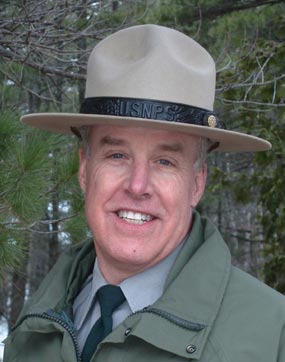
point(82, 170)
point(200, 179)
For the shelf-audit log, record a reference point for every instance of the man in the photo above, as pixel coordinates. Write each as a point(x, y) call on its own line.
point(146, 126)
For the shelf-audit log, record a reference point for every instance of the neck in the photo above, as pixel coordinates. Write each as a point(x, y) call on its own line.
point(116, 275)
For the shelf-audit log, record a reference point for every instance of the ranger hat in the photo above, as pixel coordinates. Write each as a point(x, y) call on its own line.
point(154, 77)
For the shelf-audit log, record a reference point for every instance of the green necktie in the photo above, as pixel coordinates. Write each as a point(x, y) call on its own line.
point(109, 297)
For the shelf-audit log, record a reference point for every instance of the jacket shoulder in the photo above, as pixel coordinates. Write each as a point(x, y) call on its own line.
point(251, 321)
point(64, 278)
point(254, 291)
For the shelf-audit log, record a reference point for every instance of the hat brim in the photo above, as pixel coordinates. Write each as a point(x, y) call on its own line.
point(229, 141)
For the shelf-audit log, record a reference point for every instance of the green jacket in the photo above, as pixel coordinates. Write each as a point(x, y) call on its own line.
point(210, 312)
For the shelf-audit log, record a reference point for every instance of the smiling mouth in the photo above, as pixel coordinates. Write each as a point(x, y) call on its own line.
point(134, 217)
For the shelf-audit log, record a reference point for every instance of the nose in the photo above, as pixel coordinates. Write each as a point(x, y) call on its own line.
point(139, 183)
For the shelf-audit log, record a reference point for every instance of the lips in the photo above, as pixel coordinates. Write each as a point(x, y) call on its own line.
point(134, 217)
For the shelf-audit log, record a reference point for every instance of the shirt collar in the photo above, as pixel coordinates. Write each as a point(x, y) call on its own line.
point(141, 289)
point(144, 288)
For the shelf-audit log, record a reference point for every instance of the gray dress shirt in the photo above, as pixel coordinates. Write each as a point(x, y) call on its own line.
point(140, 290)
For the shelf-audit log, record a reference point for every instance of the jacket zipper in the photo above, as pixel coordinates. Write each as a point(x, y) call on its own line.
point(52, 316)
point(183, 323)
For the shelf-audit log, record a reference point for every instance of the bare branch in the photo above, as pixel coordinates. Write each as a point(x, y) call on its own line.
point(224, 8)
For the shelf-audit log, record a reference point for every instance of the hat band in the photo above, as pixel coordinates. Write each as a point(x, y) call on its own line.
point(150, 109)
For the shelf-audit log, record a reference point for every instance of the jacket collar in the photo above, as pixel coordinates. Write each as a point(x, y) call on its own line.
point(64, 281)
point(193, 295)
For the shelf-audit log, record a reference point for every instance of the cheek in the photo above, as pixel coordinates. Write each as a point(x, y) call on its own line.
point(97, 175)
point(184, 203)
point(178, 190)
point(176, 198)
point(94, 189)
point(101, 185)
point(186, 200)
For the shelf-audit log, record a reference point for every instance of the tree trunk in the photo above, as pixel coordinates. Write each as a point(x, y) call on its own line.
point(38, 257)
point(17, 295)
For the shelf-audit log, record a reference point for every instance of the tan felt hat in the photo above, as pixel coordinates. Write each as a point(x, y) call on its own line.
point(154, 77)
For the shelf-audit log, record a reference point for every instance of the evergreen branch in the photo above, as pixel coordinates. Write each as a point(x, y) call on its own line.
point(43, 222)
point(55, 221)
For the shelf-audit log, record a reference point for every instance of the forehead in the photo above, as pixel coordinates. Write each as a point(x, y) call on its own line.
point(101, 135)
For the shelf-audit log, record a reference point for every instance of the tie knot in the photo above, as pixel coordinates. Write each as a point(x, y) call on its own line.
point(110, 297)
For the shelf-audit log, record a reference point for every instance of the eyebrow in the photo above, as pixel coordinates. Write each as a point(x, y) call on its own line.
point(171, 147)
point(176, 147)
point(108, 140)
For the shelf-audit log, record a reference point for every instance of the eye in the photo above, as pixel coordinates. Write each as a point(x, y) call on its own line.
point(117, 156)
point(164, 162)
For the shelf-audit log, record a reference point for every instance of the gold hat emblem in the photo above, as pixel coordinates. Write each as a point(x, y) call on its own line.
point(212, 121)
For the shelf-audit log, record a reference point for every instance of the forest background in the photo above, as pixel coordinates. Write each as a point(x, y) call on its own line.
point(44, 46)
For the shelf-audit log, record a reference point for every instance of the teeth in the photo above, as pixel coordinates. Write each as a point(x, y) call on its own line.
point(134, 217)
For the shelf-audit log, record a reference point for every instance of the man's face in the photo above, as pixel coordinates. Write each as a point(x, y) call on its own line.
point(140, 186)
